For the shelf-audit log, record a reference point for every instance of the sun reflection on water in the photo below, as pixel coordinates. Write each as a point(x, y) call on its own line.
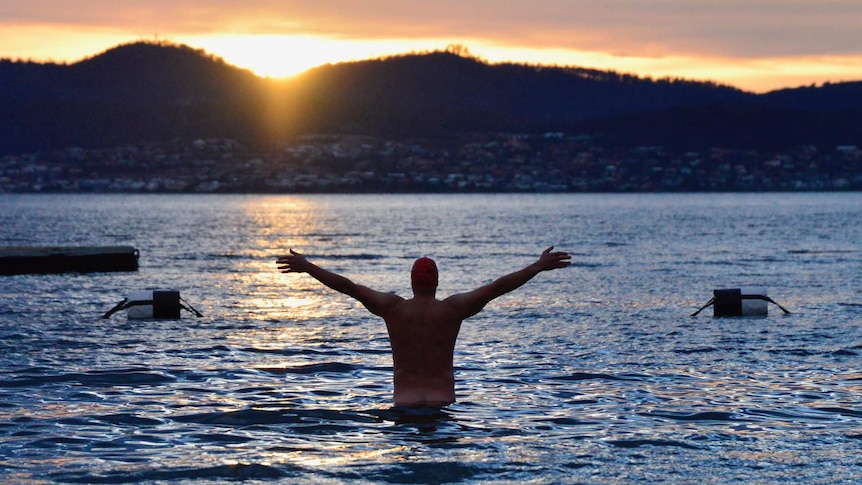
point(281, 223)
point(339, 454)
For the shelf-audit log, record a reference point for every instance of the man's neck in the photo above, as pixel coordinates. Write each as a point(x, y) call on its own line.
point(424, 293)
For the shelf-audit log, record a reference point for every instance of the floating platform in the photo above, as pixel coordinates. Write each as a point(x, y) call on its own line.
point(65, 259)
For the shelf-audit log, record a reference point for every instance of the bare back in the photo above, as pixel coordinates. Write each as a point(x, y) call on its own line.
point(422, 333)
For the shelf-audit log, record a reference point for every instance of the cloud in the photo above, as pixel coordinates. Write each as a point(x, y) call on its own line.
point(638, 28)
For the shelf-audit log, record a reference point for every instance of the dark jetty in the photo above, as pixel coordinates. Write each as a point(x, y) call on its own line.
point(63, 259)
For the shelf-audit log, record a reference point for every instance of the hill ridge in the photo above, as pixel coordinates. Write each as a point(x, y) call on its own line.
point(146, 91)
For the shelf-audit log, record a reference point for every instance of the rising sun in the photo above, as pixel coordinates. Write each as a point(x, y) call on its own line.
point(278, 56)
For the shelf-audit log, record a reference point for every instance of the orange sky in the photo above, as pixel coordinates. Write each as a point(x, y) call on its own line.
point(757, 45)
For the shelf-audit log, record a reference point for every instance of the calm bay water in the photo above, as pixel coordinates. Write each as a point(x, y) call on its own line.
point(591, 374)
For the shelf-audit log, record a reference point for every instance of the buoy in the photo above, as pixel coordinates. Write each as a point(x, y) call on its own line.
point(153, 304)
point(747, 301)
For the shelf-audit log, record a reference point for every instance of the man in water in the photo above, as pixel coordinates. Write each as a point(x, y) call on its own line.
point(423, 329)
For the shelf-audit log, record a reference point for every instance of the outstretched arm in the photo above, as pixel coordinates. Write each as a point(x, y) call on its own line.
point(377, 302)
point(472, 302)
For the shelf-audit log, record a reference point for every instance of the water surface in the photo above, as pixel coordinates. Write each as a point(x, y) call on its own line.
point(591, 374)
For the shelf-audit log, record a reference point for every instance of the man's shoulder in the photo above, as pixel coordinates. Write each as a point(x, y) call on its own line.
point(468, 296)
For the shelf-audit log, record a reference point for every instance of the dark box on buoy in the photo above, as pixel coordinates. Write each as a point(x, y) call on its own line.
point(736, 303)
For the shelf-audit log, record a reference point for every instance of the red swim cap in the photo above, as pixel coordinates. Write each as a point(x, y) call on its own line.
point(424, 273)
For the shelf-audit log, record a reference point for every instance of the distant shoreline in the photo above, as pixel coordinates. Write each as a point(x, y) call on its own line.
point(481, 163)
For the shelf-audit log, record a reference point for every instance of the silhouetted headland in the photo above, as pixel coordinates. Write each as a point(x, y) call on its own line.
point(134, 118)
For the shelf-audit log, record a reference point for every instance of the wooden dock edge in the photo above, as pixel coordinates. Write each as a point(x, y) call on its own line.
point(15, 260)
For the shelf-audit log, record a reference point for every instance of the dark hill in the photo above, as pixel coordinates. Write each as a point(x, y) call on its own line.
point(154, 73)
point(443, 92)
point(138, 73)
point(829, 97)
point(158, 92)
point(754, 125)
point(134, 92)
